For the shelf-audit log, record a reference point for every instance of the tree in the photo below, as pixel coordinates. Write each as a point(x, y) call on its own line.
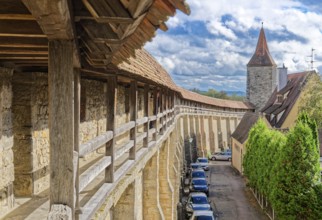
point(311, 102)
point(297, 170)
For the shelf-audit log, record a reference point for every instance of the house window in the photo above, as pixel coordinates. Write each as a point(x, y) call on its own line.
point(280, 98)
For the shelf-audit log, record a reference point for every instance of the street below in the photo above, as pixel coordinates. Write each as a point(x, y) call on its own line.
point(232, 199)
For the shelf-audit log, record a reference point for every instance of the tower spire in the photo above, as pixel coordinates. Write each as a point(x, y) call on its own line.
point(262, 56)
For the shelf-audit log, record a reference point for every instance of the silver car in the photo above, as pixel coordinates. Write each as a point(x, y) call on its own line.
point(222, 156)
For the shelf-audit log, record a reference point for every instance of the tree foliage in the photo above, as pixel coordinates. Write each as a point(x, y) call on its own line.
point(311, 102)
point(219, 94)
point(285, 168)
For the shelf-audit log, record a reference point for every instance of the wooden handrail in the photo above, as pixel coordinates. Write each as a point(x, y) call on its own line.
point(95, 143)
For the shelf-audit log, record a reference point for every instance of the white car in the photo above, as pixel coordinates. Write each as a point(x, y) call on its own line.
point(202, 215)
point(222, 156)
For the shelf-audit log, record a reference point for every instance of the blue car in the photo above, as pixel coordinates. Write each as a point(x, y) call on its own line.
point(199, 185)
point(203, 162)
point(198, 173)
point(197, 201)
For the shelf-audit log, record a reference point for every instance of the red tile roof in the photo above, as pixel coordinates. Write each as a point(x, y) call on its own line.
point(262, 56)
point(144, 65)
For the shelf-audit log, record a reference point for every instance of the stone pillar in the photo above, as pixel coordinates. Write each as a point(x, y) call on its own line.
point(199, 136)
point(124, 208)
point(31, 133)
point(165, 189)
point(228, 128)
point(192, 126)
point(203, 136)
point(151, 189)
point(220, 134)
point(211, 135)
point(138, 197)
point(6, 142)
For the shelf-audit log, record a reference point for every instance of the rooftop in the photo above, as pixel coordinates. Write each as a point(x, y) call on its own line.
point(262, 56)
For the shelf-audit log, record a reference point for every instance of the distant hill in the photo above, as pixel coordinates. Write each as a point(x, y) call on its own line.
point(230, 95)
point(238, 93)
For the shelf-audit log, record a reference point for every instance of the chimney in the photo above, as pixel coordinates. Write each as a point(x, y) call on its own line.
point(282, 77)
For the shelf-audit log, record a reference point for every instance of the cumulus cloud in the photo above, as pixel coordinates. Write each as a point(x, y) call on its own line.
point(211, 47)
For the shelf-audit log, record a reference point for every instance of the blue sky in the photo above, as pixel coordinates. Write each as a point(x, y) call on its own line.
point(211, 47)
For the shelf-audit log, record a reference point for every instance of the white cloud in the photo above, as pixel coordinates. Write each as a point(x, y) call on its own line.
point(218, 59)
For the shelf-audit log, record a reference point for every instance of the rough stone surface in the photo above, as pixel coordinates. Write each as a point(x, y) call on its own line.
point(261, 82)
point(6, 142)
point(93, 109)
point(31, 133)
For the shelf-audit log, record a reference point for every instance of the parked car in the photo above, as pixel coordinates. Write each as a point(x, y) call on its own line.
point(199, 185)
point(197, 201)
point(198, 173)
point(203, 215)
point(222, 156)
point(203, 162)
point(195, 166)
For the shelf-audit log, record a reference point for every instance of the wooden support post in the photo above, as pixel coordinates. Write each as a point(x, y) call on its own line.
point(146, 114)
point(133, 117)
point(111, 100)
point(155, 112)
point(61, 123)
point(76, 132)
point(165, 118)
point(161, 110)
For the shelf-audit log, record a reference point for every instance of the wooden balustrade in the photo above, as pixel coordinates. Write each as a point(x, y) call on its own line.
point(156, 125)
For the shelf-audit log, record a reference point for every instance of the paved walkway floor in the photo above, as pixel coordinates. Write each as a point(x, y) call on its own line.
point(233, 200)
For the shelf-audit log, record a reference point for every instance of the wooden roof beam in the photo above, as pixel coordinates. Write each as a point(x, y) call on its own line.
point(55, 19)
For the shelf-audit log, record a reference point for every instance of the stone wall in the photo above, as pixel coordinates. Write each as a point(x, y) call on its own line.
point(261, 82)
point(93, 111)
point(31, 134)
point(6, 142)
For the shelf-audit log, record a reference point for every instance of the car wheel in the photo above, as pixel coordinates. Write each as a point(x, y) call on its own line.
point(214, 158)
point(229, 159)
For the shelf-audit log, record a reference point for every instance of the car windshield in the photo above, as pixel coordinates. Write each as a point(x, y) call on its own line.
point(203, 160)
point(199, 182)
point(199, 200)
point(198, 174)
point(194, 166)
point(204, 218)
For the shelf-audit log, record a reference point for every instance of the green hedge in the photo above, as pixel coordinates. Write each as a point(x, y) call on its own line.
point(285, 168)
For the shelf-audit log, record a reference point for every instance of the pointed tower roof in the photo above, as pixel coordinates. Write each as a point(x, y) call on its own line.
point(261, 57)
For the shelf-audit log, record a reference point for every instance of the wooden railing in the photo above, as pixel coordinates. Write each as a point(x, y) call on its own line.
point(155, 127)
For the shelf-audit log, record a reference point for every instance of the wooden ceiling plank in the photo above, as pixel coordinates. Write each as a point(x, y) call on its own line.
point(181, 5)
point(28, 17)
point(166, 6)
point(23, 52)
point(22, 58)
point(133, 27)
point(141, 8)
point(13, 7)
point(20, 28)
point(163, 27)
point(23, 42)
point(118, 8)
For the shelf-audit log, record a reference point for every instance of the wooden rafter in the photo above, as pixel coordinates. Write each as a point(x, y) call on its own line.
point(55, 20)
